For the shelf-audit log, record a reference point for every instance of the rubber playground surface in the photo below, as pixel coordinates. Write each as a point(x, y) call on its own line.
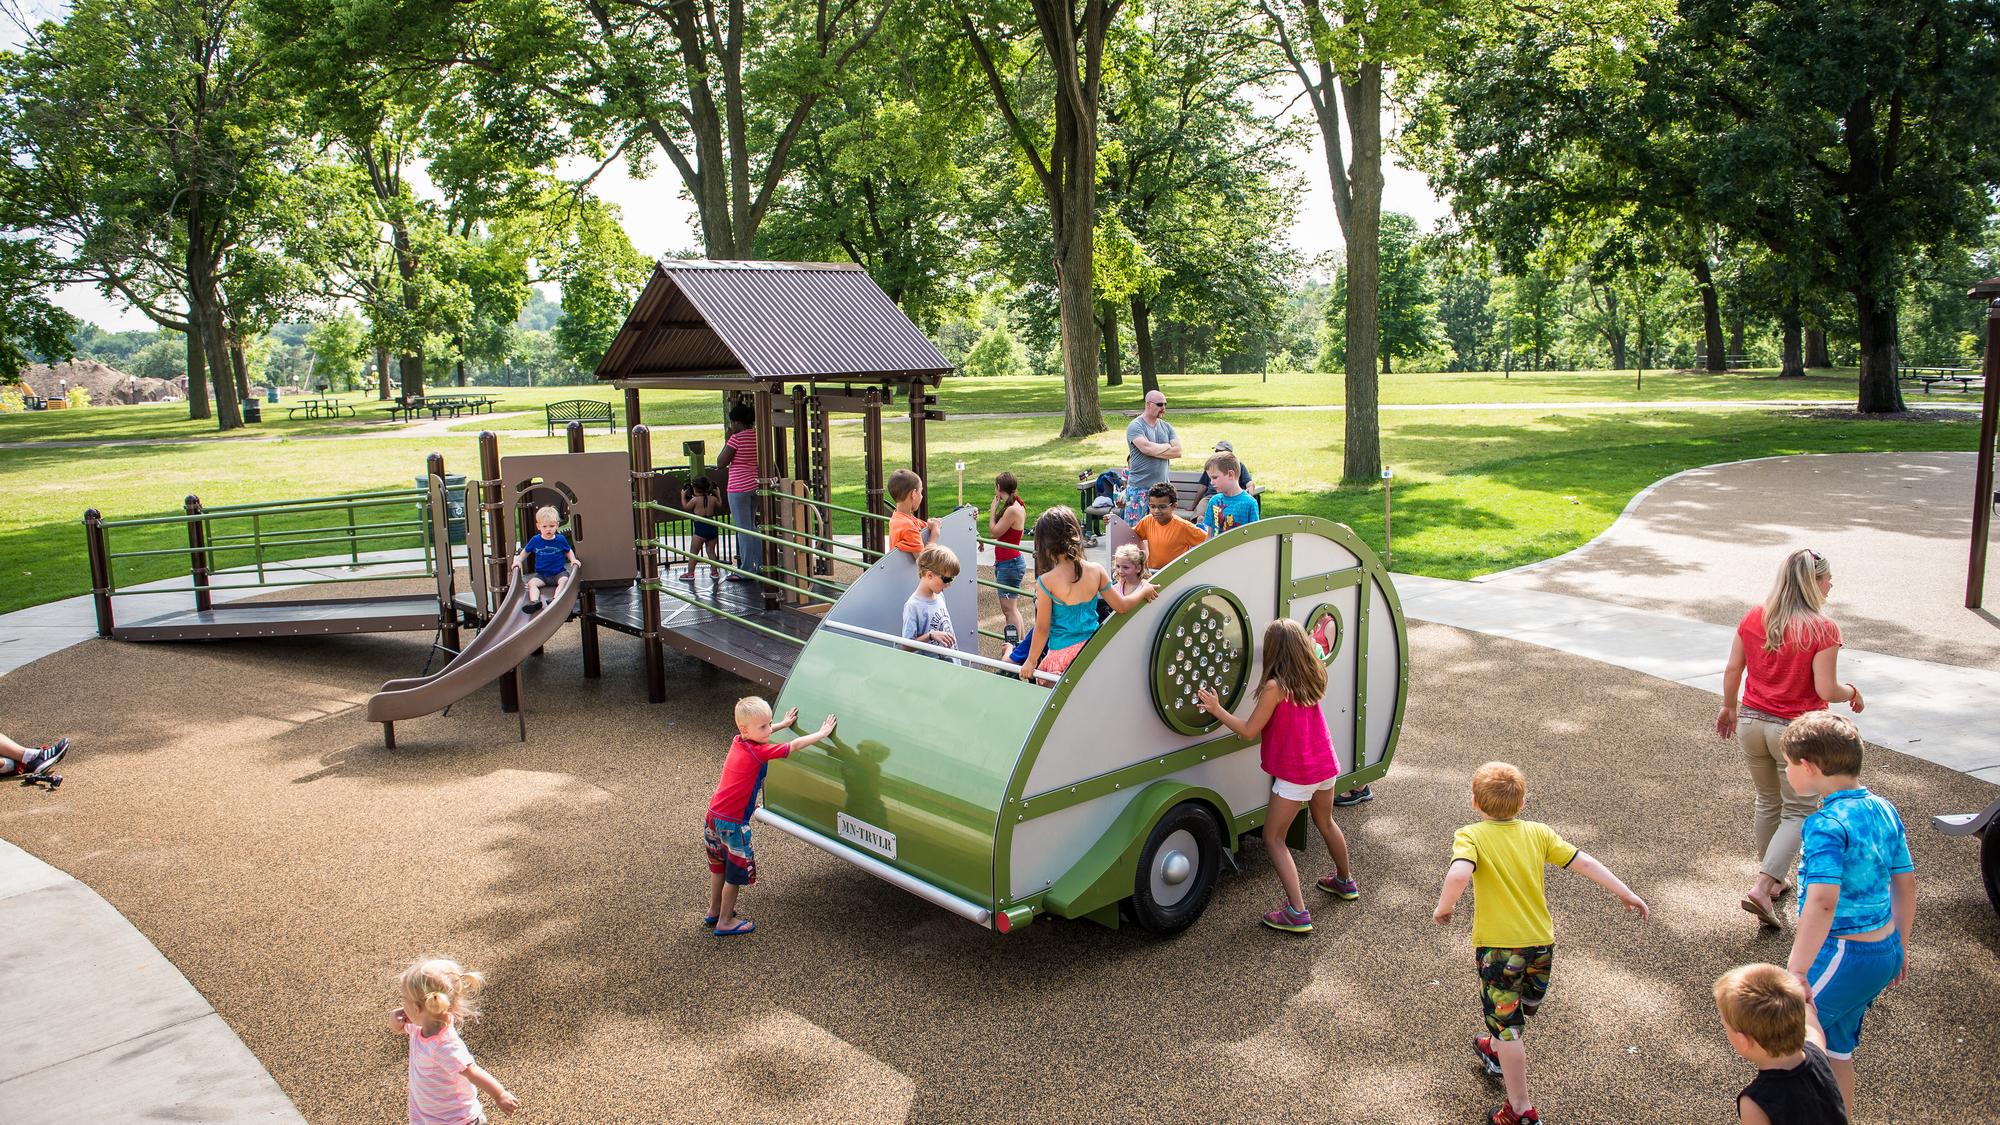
point(230, 800)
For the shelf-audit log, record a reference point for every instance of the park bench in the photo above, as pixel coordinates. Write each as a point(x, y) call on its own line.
point(1187, 491)
point(585, 410)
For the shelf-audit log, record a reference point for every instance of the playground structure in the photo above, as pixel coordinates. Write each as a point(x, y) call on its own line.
point(1103, 794)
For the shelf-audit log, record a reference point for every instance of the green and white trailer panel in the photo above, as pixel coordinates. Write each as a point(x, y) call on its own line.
point(999, 800)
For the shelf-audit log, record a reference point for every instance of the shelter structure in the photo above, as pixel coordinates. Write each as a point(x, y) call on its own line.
point(1985, 499)
point(800, 342)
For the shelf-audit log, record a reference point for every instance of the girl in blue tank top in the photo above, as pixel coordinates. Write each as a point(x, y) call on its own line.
point(1066, 591)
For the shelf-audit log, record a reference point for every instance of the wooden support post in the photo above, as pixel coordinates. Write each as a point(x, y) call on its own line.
point(388, 736)
point(447, 600)
point(631, 414)
point(500, 544)
point(920, 451)
point(100, 569)
point(198, 553)
point(1982, 476)
point(872, 536)
point(574, 434)
point(649, 565)
point(801, 435)
point(767, 459)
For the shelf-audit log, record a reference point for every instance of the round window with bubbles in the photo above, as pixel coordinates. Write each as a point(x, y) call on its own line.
point(1325, 627)
point(1204, 643)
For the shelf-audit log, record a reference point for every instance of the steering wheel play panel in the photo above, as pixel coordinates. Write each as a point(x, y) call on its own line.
point(1107, 795)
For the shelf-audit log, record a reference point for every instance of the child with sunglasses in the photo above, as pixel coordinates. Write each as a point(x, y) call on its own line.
point(925, 617)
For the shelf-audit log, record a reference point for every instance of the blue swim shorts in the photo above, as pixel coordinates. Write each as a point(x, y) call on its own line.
point(727, 843)
point(1845, 979)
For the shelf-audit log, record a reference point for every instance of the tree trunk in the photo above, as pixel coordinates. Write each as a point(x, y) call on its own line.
point(1614, 332)
point(1114, 375)
point(409, 365)
point(461, 371)
point(382, 374)
point(1142, 343)
point(1711, 316)
point(1875, 332)
point(240, 366)
point(1361, 460)
point(197, 367)
point(1816, 355)
point(1385, 364)
point(1790, 363)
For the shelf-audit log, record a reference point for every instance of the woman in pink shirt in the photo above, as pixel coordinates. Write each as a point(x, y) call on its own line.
point(1790, 651)
point(739, 459)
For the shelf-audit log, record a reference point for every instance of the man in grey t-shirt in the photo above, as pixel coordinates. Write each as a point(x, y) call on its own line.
point(1150, 448)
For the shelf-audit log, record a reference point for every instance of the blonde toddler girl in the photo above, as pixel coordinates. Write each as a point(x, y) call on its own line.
point(437, 998)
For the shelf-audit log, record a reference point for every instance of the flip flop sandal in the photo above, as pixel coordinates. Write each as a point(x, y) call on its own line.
point(708, 920)
point(1764, 915)
point(742, 926)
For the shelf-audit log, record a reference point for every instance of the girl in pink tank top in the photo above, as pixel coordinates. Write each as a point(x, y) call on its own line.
point(1297, 752)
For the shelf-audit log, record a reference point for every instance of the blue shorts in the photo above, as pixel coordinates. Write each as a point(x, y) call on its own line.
point(1010, 573)
point(1845, 979)
point(727, 843)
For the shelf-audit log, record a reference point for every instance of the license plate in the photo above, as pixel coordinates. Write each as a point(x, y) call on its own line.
point(867, 835)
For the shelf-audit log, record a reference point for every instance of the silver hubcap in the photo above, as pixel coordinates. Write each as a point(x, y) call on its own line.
point(1172, 876)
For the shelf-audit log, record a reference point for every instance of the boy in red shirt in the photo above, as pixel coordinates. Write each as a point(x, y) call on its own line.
point(907, 530)
point(726, 829)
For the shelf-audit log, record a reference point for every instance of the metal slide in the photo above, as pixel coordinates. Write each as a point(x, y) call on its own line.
point(501, 646)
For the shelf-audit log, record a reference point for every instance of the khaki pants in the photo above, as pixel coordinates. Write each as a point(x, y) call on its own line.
point(1781, 813)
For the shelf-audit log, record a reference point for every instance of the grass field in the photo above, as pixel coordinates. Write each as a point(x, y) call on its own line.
point(1475, 490)
point(1001, 396)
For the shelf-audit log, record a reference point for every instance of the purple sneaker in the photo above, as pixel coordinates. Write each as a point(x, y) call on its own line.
point(1289, 920)
point(1347, 890)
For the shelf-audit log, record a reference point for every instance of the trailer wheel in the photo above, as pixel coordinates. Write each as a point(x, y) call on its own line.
point(1177, 869)
point(1989, 863)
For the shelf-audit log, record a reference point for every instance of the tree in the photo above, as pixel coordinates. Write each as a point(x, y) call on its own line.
point(142, 137)
point(1059, 145)
point(30, 327)
point(337, 345)
point(1341, 52)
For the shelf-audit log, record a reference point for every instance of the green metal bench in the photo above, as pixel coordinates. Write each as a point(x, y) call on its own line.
point(585, 410)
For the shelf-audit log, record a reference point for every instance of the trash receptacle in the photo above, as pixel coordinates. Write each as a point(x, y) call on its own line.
point(454, 504)
point(253, 410)
point(271, 394)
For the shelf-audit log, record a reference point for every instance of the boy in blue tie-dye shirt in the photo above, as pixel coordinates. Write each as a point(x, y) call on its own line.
point(1228, 506)
point(1860, 887)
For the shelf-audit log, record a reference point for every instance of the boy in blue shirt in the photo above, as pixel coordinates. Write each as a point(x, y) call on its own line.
point(1228, 506)
point(1860, 887)
point(551, 553)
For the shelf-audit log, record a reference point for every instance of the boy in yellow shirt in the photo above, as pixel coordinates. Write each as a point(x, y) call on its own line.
point(1513, 937)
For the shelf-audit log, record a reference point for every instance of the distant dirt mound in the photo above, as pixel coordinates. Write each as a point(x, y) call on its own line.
point(107, 385)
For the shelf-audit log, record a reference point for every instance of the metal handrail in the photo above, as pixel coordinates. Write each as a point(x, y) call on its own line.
point(940, 650)
point(828, 504)
point(258, 546)
point(250, 511)
point(342, 528)
point(735, 530)
point(752, 575)
point(320, 581)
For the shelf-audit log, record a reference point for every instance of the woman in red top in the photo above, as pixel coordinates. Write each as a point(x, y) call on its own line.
point(1791, 652)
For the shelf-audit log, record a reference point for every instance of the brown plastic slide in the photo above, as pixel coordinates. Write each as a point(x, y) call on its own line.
point(498, 649)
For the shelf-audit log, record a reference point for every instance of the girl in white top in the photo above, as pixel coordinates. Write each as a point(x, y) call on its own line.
point(444, 1081)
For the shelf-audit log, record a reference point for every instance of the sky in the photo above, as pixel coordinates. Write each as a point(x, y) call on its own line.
point(660, 220)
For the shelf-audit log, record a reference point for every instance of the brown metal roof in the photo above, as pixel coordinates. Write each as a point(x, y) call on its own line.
point(768, 320)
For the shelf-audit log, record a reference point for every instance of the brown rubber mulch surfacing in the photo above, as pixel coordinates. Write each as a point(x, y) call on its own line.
point(230, 801)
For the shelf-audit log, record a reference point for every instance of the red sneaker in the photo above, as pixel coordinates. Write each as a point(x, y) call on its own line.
point(1508, 1115)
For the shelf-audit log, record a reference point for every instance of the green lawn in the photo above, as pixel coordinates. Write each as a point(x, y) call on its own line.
point(1475, 490)
point(999, 396)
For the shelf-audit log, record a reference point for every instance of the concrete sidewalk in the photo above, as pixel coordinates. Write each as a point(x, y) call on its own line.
point(1941, 713)
point(100, 1026)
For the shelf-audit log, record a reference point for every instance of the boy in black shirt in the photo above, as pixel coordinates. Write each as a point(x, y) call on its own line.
point(1768, 1017)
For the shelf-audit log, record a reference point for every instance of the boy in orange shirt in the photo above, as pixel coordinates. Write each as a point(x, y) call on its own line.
point(907, 530)
point(1164, 536)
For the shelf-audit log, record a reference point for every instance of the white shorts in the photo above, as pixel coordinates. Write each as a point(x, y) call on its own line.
point(1291, 792)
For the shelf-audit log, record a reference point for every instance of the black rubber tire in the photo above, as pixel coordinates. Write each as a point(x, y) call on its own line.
point(1989, 863)
point(1161, 921)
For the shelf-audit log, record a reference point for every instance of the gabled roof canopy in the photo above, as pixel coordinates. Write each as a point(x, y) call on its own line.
point(768, 320)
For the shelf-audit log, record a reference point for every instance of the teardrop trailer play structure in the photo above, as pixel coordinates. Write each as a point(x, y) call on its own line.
point(1107, 795)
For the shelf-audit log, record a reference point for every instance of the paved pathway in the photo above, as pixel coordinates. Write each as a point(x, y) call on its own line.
point(100, 1027)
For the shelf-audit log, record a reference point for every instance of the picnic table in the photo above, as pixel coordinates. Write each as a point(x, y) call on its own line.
point(1928, 374)
point(440, 405)
point(319, 408)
